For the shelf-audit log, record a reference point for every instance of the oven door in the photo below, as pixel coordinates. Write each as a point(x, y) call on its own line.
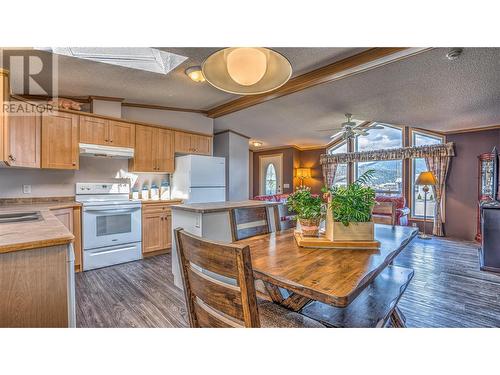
point(111, 225)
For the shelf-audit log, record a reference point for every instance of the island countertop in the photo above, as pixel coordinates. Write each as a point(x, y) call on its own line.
point(222, 206)
point(28, 235)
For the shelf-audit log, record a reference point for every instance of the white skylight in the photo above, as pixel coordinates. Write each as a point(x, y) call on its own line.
point(142, 58)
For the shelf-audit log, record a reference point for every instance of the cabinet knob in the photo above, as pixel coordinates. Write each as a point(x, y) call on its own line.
point(111, 140)
point(74, 164)
point(12, 158)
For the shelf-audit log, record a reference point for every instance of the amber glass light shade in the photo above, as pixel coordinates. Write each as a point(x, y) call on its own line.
point(303, 173)
point(247, 70)
point(426, 178)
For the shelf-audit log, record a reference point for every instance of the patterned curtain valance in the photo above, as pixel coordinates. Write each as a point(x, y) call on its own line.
point(391, 154)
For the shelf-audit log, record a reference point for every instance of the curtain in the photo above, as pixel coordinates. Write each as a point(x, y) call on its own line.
point(440, 150)
point(329, 173)
point(438, 165)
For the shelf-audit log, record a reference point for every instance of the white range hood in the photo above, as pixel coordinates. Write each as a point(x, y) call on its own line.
point(106, 151)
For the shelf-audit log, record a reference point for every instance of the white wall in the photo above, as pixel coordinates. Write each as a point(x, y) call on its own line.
point(107, 108)
point(175, 119)
point(58, 183)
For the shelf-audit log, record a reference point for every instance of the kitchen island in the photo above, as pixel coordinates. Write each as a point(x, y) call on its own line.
point(211, 221)
point(36, 266)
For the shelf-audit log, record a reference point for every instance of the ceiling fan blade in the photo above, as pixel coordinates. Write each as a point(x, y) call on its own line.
point(328, 130)
point(337, 134)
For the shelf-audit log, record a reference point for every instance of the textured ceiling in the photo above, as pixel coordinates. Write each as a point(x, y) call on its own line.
point(79, 77)
point(426, 90)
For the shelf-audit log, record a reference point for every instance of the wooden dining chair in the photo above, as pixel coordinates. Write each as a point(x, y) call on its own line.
point(214, 302)
point(284, 218)
point(249, 222)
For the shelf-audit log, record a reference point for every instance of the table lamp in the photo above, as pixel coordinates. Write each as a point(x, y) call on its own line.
point(425, 179)
point(303, 173)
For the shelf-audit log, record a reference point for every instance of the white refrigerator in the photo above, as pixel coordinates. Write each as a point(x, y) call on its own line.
point(199, 179)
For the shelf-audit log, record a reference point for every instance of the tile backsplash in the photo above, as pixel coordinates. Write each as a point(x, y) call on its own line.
point(52, 182)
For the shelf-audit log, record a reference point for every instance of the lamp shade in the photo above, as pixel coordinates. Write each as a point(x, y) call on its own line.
point(426, 178)
point(246, 71)
point(303, 173)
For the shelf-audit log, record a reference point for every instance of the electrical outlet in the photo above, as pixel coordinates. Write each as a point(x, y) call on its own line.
point(286, 186)
point(27, 189)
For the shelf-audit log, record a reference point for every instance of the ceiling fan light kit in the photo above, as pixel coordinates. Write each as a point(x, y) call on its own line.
point(246, 70)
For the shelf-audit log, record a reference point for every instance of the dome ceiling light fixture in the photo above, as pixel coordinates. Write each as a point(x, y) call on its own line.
point(195, 73)
point(246, 70)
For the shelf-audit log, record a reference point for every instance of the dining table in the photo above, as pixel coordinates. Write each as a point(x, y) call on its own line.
point(295, 276)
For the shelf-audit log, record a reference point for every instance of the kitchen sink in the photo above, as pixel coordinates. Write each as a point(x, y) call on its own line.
point(14, 217)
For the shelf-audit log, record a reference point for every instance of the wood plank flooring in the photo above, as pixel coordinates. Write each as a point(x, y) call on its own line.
point(448, 290)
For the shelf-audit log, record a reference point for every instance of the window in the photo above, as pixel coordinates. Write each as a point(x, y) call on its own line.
point(271, 180)
point(388, 178)
point(419, 166)
point(341, 172)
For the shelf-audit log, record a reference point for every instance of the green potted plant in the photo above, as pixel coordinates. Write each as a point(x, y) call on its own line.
point(309, 209)
point(351, 210)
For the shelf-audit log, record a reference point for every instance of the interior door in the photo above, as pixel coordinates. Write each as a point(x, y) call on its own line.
point(271, 174)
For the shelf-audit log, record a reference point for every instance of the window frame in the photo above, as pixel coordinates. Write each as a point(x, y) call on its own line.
point(336, 145)
point(354, 142)
point(410, 203)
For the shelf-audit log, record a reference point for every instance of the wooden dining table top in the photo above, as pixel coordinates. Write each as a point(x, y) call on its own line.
point(333, 276)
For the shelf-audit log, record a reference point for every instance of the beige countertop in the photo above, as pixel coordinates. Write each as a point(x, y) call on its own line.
point(48, 231)
point(222, 206)
point(160, 201)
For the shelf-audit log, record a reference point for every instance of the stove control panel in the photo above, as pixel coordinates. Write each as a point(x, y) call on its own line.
point(102, 188)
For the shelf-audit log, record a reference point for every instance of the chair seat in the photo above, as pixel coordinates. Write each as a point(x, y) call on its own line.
point(273, 315)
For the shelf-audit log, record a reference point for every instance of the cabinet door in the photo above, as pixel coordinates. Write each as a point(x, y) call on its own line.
point(94, 130)
point(183, 142)
point(145, 150)
point(167, 230)
point(201, 144)
point(71, 218)
point(65, 216)
point(152, 227)
point(121, 134)
point(165, 151)
point(60, 141)
point(22, 148)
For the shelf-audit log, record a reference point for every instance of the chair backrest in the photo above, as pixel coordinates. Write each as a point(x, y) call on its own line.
point(249, 222)
point(284, 218)
point(211, 301)
point(384, 213)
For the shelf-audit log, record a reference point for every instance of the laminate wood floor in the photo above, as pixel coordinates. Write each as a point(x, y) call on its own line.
point(448, 290)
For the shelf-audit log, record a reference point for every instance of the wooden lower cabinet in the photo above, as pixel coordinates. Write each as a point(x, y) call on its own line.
point(71, 217)
point(156, 228)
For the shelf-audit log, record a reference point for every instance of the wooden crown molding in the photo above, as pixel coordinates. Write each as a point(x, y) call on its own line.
point(369, 59)
point(164, 108)
point(472, 130)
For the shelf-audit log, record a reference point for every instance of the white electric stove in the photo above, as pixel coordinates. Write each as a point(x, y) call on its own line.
point(111, 224)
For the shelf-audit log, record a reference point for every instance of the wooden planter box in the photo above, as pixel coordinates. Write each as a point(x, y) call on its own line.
point(353, 232)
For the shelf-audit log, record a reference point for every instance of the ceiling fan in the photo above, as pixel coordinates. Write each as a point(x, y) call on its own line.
point(351, 128)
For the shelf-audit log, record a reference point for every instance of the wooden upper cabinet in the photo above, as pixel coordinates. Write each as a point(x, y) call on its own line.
point(60, 141)
point(182, 142)
point(187, 143)
point(201, 144)
point(144, 153)
point(154, 150)
point(121, 134)
point(165, 151)
point(94, 130)
point(99, 131)
point(23, 137)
